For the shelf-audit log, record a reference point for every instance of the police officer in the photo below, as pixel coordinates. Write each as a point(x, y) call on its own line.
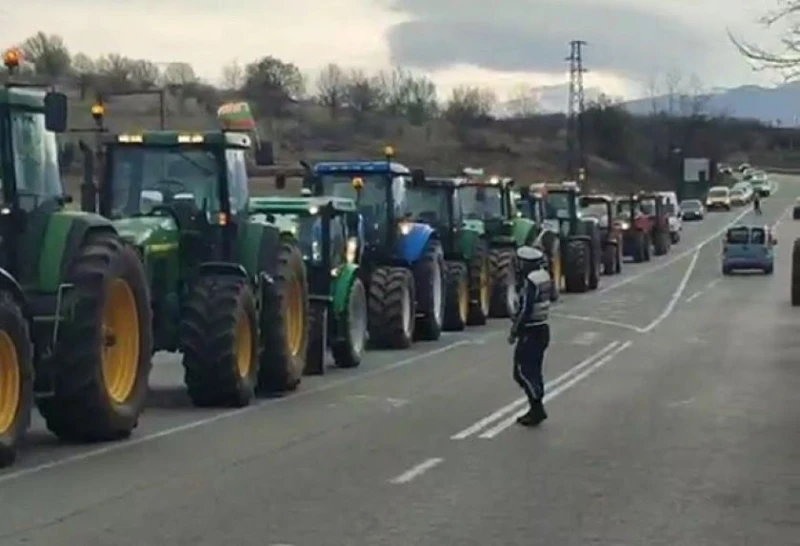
point(530, 330)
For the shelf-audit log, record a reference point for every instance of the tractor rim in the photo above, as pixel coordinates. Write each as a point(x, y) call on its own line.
point(463, 299)
point(406, 311)
point(436, 292)
point(10, 382)
point(294, 316)
point(484, 287)
point(243, 345)
point(357, 318)
point(120, 341)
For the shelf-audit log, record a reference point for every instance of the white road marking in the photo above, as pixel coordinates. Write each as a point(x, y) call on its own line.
point(503, 425)
point(585, 339)
point(597, 321)
point(694, 296)
point(416, 471)
point(712, 284)
point(666, 263)
point(676, 296)
point(782, 217)
point(500, 413)
point(111, 448)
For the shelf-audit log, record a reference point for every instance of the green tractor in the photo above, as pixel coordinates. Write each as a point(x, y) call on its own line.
point(436, 202)
point(531, 204)
point(74, 315)
point(328, 231)
point(489, 209)
point(581, 241)
point(228, 292)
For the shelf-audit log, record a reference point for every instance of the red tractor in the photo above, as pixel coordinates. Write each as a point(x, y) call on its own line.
point(652, 205)
point(636, 228)
point(601, 207)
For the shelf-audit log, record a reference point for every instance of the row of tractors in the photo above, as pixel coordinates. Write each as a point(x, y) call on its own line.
point(170, 252)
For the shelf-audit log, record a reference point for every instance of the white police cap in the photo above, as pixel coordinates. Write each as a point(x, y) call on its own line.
point(528, 253)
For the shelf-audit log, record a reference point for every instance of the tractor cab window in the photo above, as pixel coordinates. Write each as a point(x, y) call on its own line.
point(35, 157)
point(648, 207)
point(598, 211)
point(371, 199)
point(557, 205)
point(429, 205)
point(482, 202)
point(144, 177)
point(237, 179)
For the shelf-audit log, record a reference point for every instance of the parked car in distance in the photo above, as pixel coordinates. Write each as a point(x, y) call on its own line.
point(718, 197)
point(692, 209)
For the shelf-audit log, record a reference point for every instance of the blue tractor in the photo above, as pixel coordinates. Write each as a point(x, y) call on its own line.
point(402, 262)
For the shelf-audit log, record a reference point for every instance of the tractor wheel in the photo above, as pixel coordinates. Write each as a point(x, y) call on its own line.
point(429, 280)
point(348, 352)
point(609, 259)
point(618, 258)
point(317, 339)
point(638, 245)
point(104, 349)
point(219, 342)
point(504, 283)
point(796, 273)
point(391, 308)
point(479, 285)
point(16, 378)
point(648, 247)
point(661, 244)
point(284, 325)
point(577, 267)
point(456, 297)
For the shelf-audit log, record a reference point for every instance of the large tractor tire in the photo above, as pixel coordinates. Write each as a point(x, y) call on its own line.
point(219, 342)
point(456, 308)
point(661, 243)
point(480, 285)
point(285, 325)
point(504, 283)
point(317, 348)
point(348, 350)
point(429, 280)
point(795, 280)
point(16, 378)
point(392, 308)
point(577, 266)
point(104, 349)
point(609, 259)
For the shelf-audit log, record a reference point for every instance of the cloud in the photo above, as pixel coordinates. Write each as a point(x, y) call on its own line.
point(528, 36)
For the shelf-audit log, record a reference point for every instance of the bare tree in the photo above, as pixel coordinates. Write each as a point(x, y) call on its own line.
point(85, 71)
point(232, 76)
point(672, 87)
point(694, 97)
point(49, 55)
point(468, 105)
point(786, 62)
point(523, 102)
point(364, 94)
point(332, 88)
point(179, 75)
point(654, 93)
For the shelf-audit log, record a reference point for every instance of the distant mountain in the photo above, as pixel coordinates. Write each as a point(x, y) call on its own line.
point(773, 105)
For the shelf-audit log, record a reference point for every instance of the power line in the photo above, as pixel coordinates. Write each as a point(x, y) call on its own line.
point(576, 152)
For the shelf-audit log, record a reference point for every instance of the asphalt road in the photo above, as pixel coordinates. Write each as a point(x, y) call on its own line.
point(674, 420)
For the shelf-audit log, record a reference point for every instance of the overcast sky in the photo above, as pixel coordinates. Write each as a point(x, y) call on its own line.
point(502, 43)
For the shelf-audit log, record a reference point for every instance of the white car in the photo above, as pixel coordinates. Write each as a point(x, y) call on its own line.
point(718, 197)
point(671, 207)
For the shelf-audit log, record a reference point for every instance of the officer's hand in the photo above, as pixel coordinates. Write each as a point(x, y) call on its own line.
point(512, 339)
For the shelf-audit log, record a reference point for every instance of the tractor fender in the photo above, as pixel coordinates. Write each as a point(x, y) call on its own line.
point(411, 246)
point(340, 288)
point(10, 284)
point(585, 238)
point(257, 246)
point(207, 269)
point(60, 241)
point(524, 231)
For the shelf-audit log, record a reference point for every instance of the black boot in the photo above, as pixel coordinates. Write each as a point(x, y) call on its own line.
point(534, 416)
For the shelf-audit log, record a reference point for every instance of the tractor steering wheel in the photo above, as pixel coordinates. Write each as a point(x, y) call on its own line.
point(165, 184)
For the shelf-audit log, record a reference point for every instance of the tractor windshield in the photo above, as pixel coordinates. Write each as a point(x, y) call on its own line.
point(372, 198)
point(557, 204)
point(482, 202)
point(429, 205)
point(145, 176)
point(648, 206)
point(596, 210)
point(35, 159)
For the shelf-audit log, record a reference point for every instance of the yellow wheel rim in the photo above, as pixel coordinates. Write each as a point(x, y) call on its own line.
point(557, 271)
point(244, 345)
point(295, 318)
point(485, 285)
point(463, 299)
point(10, 382)
point(120, 341)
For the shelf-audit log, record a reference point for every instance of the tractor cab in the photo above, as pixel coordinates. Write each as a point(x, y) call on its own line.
point(488, 200)
point(654, 208)
point(601, 208)
point(436, 203)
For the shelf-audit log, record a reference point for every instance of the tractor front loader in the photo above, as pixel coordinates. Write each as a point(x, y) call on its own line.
point(402, 262)
point(74, 312)
point(227, 292)
point(436, 202)
point(602, 208)
point(327, 230)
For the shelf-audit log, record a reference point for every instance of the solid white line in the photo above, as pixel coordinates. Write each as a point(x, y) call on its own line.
point(604, 322)
point(111, 448)
point(486, 421)
point(503, 425)
point(675, 296)
point(416, 471)
point(670, 261)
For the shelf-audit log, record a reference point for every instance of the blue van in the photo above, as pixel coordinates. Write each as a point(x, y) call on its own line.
point(748, 247)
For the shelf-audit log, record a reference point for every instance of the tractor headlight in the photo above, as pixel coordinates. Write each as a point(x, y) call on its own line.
point(316, 252)
point(624, 225)
point(405, 228)
point(352, 250)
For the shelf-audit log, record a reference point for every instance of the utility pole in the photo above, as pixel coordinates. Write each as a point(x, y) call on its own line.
point(576, 152)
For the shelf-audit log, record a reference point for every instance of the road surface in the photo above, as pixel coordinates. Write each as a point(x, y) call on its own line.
point(675, 420)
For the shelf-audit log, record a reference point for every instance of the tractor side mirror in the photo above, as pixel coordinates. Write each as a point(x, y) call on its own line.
point(55, 112)
point(417, 177)
point(280, 181)
point(264, 155)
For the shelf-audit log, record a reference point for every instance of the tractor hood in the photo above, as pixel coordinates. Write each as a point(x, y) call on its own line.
point(147, 231)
